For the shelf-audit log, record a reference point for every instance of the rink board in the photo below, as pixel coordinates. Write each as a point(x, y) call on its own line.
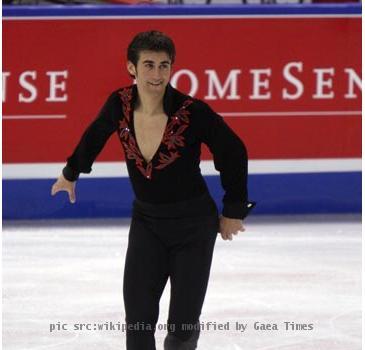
point(289, 94)
point(112, 197)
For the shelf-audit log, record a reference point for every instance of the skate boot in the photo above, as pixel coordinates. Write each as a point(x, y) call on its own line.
point(174, 343)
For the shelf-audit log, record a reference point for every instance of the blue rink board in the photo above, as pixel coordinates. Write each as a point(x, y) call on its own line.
point(112, 197)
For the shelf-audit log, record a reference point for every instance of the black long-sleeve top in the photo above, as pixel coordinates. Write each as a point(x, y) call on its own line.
point(173, 174)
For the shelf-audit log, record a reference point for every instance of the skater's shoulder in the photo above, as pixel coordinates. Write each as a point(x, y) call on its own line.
point(116, 98)
point(123, 92)
point(200, 109)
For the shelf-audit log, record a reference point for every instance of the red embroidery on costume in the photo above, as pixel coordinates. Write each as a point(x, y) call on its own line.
point(124, 130)
point(132, 152)
point(126, 97)
point(172, 139)
point(165, 160)
point(128, 141)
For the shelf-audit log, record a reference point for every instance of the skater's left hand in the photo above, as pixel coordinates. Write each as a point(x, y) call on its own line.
point(229, 227)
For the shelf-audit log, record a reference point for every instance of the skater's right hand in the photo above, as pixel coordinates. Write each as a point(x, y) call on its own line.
point(64, 185)
point(229, 227)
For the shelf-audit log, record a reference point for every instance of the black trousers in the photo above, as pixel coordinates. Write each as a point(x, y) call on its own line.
point(173, 241)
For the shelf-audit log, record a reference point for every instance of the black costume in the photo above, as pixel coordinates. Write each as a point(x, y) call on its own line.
point(175, 220)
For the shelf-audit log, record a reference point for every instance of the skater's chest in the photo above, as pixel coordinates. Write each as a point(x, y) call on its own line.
point(153, 146)
point(149, 132)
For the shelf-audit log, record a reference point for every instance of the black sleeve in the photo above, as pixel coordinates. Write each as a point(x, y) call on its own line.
point(94, 139)
point(230, 159)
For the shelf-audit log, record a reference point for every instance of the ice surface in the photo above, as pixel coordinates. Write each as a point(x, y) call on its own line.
point(305, 270)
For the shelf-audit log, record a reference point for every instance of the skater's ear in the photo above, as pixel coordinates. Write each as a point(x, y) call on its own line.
point(132, 70)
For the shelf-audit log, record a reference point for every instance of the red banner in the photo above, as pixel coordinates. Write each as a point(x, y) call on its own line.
point(290, 87)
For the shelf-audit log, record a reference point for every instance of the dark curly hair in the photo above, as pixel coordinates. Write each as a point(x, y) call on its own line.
point(152, 40)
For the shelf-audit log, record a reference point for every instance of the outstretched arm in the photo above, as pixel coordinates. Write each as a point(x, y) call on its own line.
point(89, 146)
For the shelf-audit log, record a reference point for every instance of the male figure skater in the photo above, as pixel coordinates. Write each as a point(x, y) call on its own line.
point(175, 221)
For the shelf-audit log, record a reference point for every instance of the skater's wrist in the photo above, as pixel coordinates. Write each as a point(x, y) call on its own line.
point(69, 174)
point(237, 210)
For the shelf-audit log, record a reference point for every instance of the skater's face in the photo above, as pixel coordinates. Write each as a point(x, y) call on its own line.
point(153, 70)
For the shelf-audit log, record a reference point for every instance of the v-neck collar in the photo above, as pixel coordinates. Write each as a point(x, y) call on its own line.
point(137, 144)
point(174, 105)
point(167, 107)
